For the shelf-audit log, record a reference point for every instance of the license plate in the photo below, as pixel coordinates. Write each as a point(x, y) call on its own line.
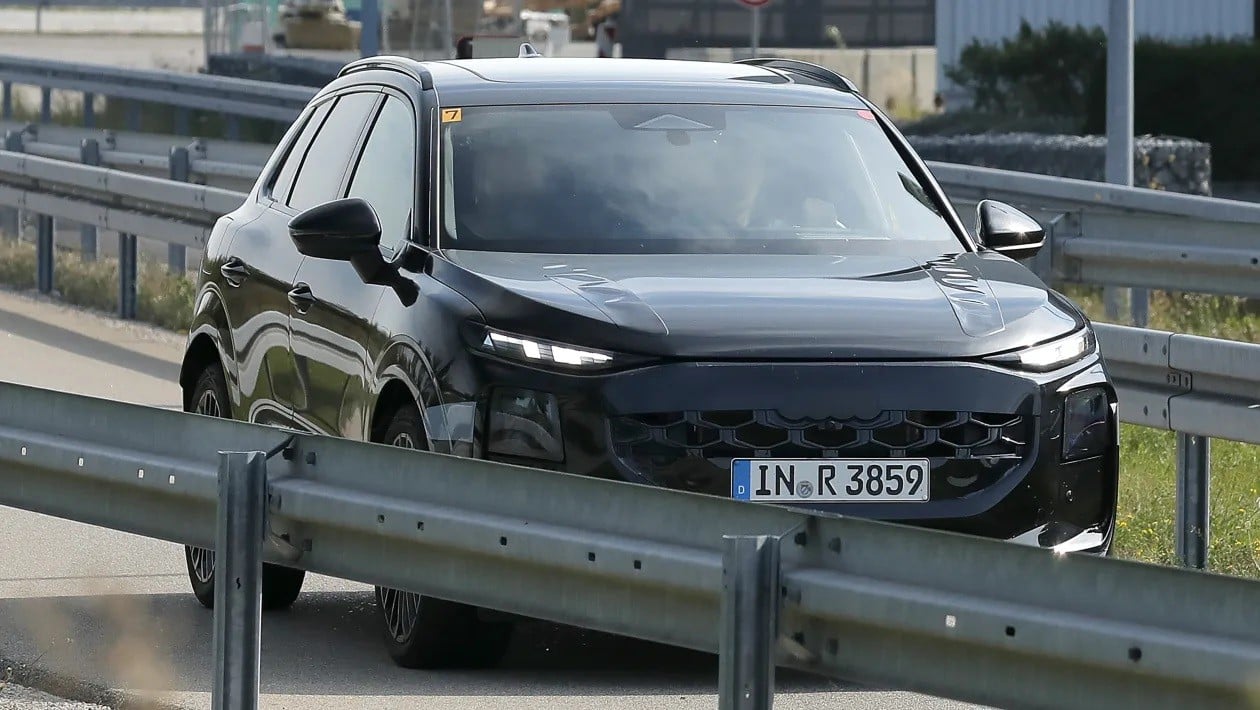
point(831, 480)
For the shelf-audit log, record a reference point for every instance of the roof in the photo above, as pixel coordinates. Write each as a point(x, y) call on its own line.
point(472, 82)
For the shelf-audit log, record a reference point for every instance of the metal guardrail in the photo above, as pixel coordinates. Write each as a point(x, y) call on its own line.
point(952, 615)
point(1185, 383)
point(227, 164)
point(1126, 236)
point(1198, 387)
point(226, 95)
point(1201, 388)
point(179, 213)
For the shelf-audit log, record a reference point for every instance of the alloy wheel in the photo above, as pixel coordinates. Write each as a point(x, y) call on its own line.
point(401, 608)
point(203, 559)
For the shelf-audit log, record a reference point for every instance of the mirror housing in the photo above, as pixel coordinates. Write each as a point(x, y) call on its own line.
point(1008, 231)
point(340, 230)
point(348, 230)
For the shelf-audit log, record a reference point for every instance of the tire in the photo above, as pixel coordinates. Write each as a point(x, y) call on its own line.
point(424, 632)
point(281, 585)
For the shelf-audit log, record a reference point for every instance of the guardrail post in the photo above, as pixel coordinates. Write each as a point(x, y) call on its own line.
point(182, 121)
point(242, 526)
point(133, 115)
point(44, 255)
point(1194, 476)
point(126, 276)
point(750, 614)
point(10, 217)
point(45, 105)
point(1111, 302)
point(6, 100)
point(180, 168)
point(1140, 306)
point(89, 109)
point(233, 130)
point(89, 154)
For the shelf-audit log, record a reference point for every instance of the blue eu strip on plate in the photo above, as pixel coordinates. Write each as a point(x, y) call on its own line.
point(741, 474)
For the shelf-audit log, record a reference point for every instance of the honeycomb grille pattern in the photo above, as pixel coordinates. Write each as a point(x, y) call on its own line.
point(692, 450)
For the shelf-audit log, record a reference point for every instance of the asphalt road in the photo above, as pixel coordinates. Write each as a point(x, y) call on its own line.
point(113, 609)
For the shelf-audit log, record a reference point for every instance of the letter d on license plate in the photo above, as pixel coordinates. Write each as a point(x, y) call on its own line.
point(831, 480)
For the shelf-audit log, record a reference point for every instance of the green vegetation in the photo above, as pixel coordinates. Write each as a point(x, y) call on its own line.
point(1148, 484)
point(163, 299)
point(1206, 90)
point(1225, 317)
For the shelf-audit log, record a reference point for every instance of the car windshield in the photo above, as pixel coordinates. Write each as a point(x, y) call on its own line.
point(704, 178)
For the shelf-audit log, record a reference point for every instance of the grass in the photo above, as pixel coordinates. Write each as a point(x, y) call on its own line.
point(163, 299)
point(1148, 486)
point(1196, 314)
point(1148, 456)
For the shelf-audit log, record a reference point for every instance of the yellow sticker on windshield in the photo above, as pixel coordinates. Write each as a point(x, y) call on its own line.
point(452, 115)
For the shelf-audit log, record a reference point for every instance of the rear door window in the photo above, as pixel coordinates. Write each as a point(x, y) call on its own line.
point(283, 181)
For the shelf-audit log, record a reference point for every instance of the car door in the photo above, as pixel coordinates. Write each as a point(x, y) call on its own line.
point(331, 325)
point(319, 177)
point(254, 276)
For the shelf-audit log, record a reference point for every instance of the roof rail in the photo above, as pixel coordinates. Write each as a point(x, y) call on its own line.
point(812, 71)
point(528, 51)
point(399, 64)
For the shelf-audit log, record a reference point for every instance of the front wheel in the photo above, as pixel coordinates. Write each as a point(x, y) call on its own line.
point(424, 632)
point(281, 585)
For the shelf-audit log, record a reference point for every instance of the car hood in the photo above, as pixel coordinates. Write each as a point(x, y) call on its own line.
point(764, 306)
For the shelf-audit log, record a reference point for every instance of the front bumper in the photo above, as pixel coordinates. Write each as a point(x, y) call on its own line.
point(1023, 492)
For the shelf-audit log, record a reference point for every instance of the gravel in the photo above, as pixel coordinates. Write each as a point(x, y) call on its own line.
point(16, 697)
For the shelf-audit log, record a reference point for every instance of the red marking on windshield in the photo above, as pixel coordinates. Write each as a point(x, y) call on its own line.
point(867, 114)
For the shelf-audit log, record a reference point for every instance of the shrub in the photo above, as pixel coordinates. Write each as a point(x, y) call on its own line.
point(1047, 72)
point(1208, 90)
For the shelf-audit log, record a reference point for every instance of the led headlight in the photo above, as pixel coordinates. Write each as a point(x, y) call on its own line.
point(525, 423)
point(1086, 424)
point(1051, 355)
point(544, 352)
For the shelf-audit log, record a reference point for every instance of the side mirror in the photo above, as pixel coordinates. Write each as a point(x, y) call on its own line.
point(1005, 229)
point(341, 230)
point(348, 230)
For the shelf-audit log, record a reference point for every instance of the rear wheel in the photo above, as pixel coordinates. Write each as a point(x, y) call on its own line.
point(281, 585)
point(423, 632)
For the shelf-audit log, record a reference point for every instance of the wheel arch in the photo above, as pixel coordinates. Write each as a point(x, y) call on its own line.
point(209, 338)
point(405, 375)
point(395, 394)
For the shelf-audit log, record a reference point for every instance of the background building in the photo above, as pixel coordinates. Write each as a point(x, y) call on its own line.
point(648, 28)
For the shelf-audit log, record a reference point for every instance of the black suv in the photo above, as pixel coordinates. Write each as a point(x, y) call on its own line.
point(735, 279)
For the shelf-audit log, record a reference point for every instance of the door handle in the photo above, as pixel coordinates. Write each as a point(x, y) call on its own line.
point(234, 271)
point(301, 298)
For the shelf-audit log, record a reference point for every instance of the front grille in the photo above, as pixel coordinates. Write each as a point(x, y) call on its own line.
point(693, 450)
